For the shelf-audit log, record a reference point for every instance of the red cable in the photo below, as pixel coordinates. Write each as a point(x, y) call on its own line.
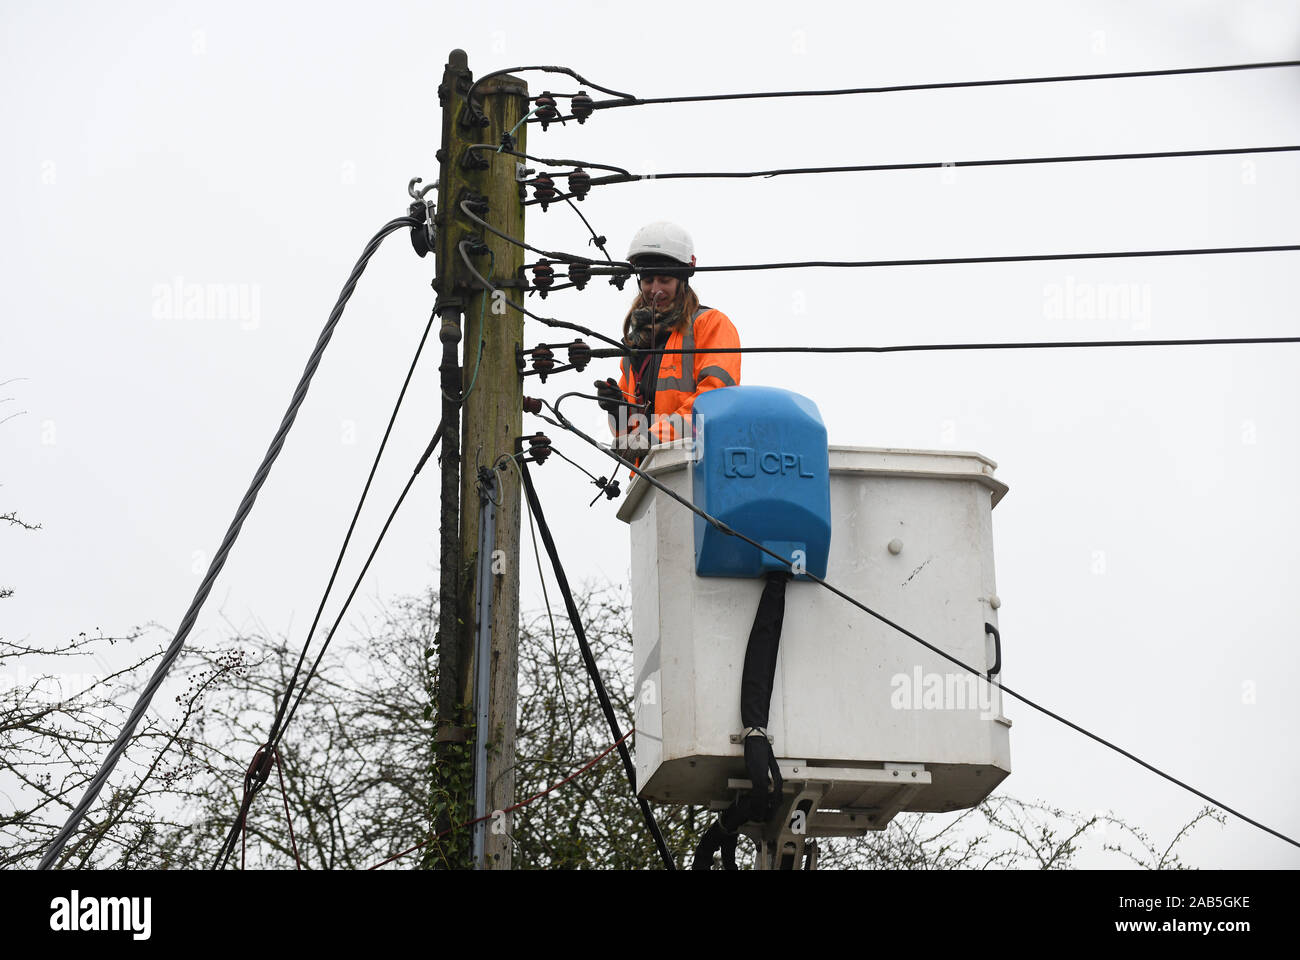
point(469, 823)
point(287, 819)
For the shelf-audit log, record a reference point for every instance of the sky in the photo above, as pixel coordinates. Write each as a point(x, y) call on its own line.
point(1147, 552)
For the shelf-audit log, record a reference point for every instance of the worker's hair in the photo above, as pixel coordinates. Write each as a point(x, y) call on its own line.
point(686, 300)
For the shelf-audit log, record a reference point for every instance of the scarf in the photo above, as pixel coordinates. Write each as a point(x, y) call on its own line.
point(648, 329)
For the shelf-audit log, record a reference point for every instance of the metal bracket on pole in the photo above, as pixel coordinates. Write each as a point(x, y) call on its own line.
point(487, 526)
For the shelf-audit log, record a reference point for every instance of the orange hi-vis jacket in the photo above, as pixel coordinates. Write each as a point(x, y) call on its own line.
point(684, 376)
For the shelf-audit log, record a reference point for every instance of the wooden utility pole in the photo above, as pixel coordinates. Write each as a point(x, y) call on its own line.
point(492, 419)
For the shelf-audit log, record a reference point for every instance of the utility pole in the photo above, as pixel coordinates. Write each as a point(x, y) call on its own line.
point(492, 418)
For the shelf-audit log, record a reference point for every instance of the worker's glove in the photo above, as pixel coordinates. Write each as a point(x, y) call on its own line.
point(611, 396)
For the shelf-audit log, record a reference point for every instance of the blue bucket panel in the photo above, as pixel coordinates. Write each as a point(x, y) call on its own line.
point(762, 468)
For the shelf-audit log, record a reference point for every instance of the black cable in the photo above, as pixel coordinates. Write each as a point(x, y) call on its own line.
point(469, 94)
point(547, 161)
point(549, 321)
point(618, 267)
point(227, 544)
point(934, 165)
point(580, 78)
point(276, 732)
point(724, 528)
point(625, 101)
point(600, 352)
point(941, 261)
point(598, 240)
point(590, 475)
point(549, 254)
point(587, 658)
point(228, 846)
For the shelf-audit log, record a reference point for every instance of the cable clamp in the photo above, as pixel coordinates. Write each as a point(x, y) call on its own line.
point(751, 732)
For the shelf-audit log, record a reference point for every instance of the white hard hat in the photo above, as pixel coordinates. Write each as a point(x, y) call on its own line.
point(657, 243)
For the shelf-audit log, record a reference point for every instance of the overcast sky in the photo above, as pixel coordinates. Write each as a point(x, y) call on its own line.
point(1148, 550)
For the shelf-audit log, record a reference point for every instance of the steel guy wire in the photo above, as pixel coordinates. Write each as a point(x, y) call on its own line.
point(277, 730)
point(227, 544)
point(228, 846)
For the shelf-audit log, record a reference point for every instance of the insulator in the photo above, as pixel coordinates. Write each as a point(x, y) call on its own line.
point(543, 277)
point(608, 487)
point(580, 106)
point(579, 352)
point(543, 361)
point(532, 405)
point(545, 108)
point(544, 190)
point(580, 274)
point(579, 183)
point(539, 445)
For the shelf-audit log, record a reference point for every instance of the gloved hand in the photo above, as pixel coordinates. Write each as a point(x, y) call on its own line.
point(610, 395)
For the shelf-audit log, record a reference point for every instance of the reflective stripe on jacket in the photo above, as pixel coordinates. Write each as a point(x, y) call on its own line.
point(684, 376)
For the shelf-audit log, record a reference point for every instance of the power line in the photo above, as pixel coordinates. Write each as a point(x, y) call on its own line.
point(278, 723)
point(928, 165)
point(598, 240)
point(946, 261)
point(629, 101)
point(625, 267)
point(590, 661)
point(600, 352)
point(228, 847)
point(227, 544)
point(549, 321)
point(469, 94)
point(546, 597)
point(729, 531)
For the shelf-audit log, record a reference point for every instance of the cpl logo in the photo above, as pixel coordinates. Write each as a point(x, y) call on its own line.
point(742, 462)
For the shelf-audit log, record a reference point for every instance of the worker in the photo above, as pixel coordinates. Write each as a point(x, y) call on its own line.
point(666, 314)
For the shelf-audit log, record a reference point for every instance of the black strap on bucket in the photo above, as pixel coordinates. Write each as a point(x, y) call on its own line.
point(756, 682)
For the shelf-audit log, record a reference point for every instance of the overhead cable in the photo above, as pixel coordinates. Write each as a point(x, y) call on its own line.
point(623, 267)
point(944, 261)
point(930, 165)
point(549, 321)
point(276, 732)
point(228, 846)
point(589, 659)
point(628, 101)
point(227, 544)
point(919, 347)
